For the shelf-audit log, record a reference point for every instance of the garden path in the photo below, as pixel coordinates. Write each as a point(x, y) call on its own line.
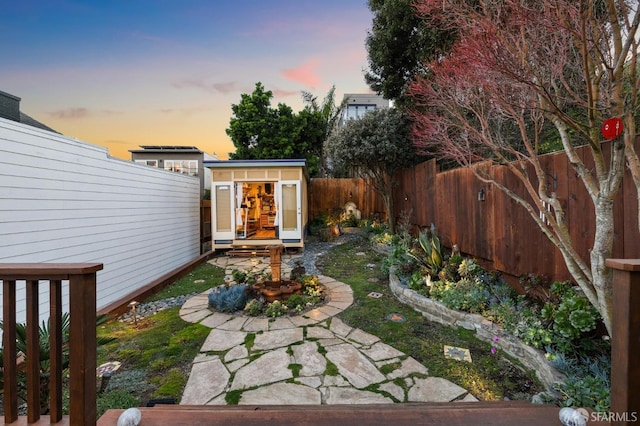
point(312, 358)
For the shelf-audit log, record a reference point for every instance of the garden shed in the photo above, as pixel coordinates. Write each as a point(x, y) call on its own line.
point(256, 203)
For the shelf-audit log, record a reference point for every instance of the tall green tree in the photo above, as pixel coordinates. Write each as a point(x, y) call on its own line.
point(259, 131)
point(376, 147)
point(399, 44)
point(325, 119)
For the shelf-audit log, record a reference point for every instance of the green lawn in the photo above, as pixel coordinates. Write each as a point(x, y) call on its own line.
point(157, 352)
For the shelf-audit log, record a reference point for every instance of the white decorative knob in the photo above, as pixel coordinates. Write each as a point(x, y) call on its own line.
point(130, 417)
point(571, 417)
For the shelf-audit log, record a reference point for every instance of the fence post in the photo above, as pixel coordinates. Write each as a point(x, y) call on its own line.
point(625, 341)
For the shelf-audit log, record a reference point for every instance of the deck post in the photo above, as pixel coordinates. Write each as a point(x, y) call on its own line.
point(625, 341)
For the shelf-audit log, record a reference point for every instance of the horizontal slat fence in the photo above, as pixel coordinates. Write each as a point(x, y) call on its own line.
point(496, 230)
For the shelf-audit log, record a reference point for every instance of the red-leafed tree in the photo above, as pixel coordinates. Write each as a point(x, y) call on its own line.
point(520, 70)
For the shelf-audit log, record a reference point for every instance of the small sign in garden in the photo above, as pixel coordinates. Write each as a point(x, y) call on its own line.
point(461, 354)
point(107, 368)
point(375, 295)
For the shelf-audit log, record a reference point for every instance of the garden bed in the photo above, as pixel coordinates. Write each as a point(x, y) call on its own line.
point(532, 358)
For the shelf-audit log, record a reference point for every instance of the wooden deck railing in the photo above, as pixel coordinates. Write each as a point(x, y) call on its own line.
point(82, 340)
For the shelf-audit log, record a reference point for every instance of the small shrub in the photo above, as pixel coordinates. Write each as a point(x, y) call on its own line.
point(275, 309)
point(403, 228)
point(469, 268)
point(429, 252)
point(254, 307)
point(500, 292)
point(399, 258)
point(228, 299)
point(417, 282)
point(349, 221)
point(464, 295)
point(536, 286)
point(311, 286)
point(294, 301)
point(530, 328)
point(573, 315)
point(587, 382)
point(384, 239)
point(239, 276)
point(374, 226)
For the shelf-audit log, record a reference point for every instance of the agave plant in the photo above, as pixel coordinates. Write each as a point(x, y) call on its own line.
point(429, 254)
point(44, 355)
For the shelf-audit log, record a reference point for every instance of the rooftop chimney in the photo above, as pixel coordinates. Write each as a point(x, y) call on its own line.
point(9, 106)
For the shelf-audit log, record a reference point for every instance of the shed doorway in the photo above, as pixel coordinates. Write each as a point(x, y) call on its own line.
point(256, 210)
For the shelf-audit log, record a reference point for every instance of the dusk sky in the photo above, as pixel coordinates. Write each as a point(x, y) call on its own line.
point(166, 72)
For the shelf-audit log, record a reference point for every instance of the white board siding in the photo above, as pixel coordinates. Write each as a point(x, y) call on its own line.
point(62, 200)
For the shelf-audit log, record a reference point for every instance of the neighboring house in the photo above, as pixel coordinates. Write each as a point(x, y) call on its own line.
point(359, 104)
point(10, 109)
point(187, 160)
point(258, 203)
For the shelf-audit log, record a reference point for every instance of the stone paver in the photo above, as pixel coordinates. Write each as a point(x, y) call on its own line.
point(434, 389)
point(408, 366)
point(396, 391)
point(337, 395)
point(269, 368)
point(222, 340)
point(287, 363)
point(282, 394)
point(362, 337)
point(237, 352)
point(206, 381)
point(319, 333)
point(339, 327)
point(277, 339)
point(307, 355)
point(381, 351)
point(354, 366)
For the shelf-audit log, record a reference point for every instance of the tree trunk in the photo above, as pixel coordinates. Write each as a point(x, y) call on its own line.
point(388, 205)
point(602, 248)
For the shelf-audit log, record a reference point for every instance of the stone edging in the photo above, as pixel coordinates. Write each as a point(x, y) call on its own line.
point(532, 358)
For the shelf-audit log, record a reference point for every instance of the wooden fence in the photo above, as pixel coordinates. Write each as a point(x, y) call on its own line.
point(496, 229)
point(327, 196)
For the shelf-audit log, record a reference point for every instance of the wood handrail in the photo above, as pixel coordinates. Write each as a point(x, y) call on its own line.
point(82, 338)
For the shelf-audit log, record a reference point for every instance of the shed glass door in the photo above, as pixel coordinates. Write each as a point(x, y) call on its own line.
point(290, 210)
point(222, 218)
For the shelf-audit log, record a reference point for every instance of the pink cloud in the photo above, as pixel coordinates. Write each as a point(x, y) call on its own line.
point(305, 74)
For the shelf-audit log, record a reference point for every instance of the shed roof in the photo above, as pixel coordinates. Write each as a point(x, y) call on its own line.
point(165, 149)
point(283, 162)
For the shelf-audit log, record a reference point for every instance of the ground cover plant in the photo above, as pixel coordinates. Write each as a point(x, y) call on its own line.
point(491, 376)
point(157, 352)
point(555, 318)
